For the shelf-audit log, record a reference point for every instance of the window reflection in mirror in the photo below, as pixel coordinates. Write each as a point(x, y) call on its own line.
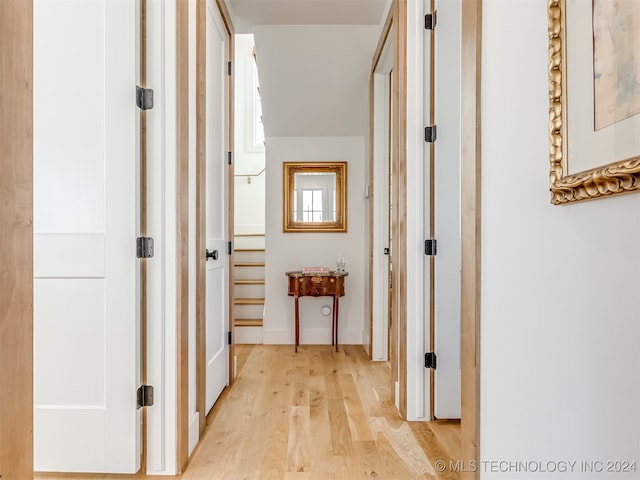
point(315, 197)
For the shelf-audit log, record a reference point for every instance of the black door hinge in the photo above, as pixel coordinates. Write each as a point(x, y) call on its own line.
point(430, 360)
point(229, 157)
point(228, 338)
point(229, 248)
point(431, 246)
point(144, 98)
point(431, 133)
point(430, 20)
point(228, 68)
point(145, 396)
point(144, 247)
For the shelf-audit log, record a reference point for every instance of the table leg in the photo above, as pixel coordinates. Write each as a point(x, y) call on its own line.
point(333, 322)
point(336, 301)
point(297, 324)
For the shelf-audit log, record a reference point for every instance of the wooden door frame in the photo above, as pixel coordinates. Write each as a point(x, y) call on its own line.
point(16, 237)
point(470, 126)
point(182, 342)
point(471, 13)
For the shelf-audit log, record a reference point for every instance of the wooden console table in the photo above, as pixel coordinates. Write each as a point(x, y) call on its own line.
point(313, 285)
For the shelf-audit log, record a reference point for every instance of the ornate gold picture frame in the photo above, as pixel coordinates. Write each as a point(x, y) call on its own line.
point(614, 176)
point(314, 197)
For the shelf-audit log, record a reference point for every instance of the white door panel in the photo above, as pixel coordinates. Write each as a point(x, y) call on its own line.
point(217, 273)
point(86, 343)
point(447, 212)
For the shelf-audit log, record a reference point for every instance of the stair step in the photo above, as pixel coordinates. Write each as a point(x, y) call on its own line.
point(249, 235)
point(248, 301)
point(249, 264)
point(247, 322)
point(249, 249)
point(249, 281)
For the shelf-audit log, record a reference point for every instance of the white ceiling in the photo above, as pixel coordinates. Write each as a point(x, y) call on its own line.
point(314, 60)
point(314, 79)
point(249, 13)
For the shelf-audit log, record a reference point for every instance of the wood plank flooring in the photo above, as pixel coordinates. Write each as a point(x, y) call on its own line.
point(314, 415)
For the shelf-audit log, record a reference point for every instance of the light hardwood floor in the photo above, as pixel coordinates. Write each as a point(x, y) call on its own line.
point(317, 414)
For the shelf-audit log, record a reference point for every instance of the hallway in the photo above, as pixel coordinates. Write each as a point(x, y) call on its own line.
point(317, 414)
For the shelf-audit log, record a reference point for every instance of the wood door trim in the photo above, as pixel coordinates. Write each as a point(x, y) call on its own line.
point(226, 17)
point(432, 216)
point(399, 145)
point(143, 229)
point(16, 237)
point(471, 229)
point(182, 240)
point(201, 197)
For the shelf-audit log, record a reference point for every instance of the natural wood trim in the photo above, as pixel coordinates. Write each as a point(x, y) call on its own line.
point(201, 198)
point(226, 17)
point(182, 241)
point(248, 322)
point(386, 29)
point(16, 239)
point(432, 215)
point(143, 228)
point(249, 264)
point(248, 301)
point(248, 281)
point(471, 230)
point(399, 145)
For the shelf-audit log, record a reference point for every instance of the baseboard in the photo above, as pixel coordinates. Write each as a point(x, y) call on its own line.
point(311, 336)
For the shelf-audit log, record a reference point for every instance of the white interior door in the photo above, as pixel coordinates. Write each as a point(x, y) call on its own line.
point(447, 395)
point(382, 203)
point(86, 323)
point(217, 185)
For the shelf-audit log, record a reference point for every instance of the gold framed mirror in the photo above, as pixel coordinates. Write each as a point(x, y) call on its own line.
point(314, 196)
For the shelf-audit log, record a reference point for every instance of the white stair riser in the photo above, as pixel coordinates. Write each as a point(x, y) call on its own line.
point(252, 256)
point(248, 273)
point(248, 311)
point(249, 291)
point(249, 242)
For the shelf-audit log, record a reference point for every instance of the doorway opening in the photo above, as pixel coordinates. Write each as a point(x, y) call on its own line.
point(249, 166)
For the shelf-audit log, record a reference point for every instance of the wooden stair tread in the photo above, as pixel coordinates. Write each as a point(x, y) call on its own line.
point(247, 322)
point(248, 234)
point(249, 264)
point(249, 249)
point(245, 281)
point(248, 301)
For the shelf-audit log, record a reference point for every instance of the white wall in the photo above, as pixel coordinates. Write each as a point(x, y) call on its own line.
point(560, 312)
point(291, 251)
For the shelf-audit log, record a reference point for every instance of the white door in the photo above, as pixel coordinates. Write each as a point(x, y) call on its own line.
point(381, 302)
point(447, 395)
point(217, 185)
point(86, 323)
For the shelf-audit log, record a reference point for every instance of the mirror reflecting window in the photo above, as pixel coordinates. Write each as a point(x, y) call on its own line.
point(315, 197)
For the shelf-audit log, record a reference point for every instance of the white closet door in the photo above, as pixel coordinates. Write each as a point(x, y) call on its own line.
point(86, 326)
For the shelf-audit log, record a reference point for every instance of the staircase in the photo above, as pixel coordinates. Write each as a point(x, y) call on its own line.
point(249, 274)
